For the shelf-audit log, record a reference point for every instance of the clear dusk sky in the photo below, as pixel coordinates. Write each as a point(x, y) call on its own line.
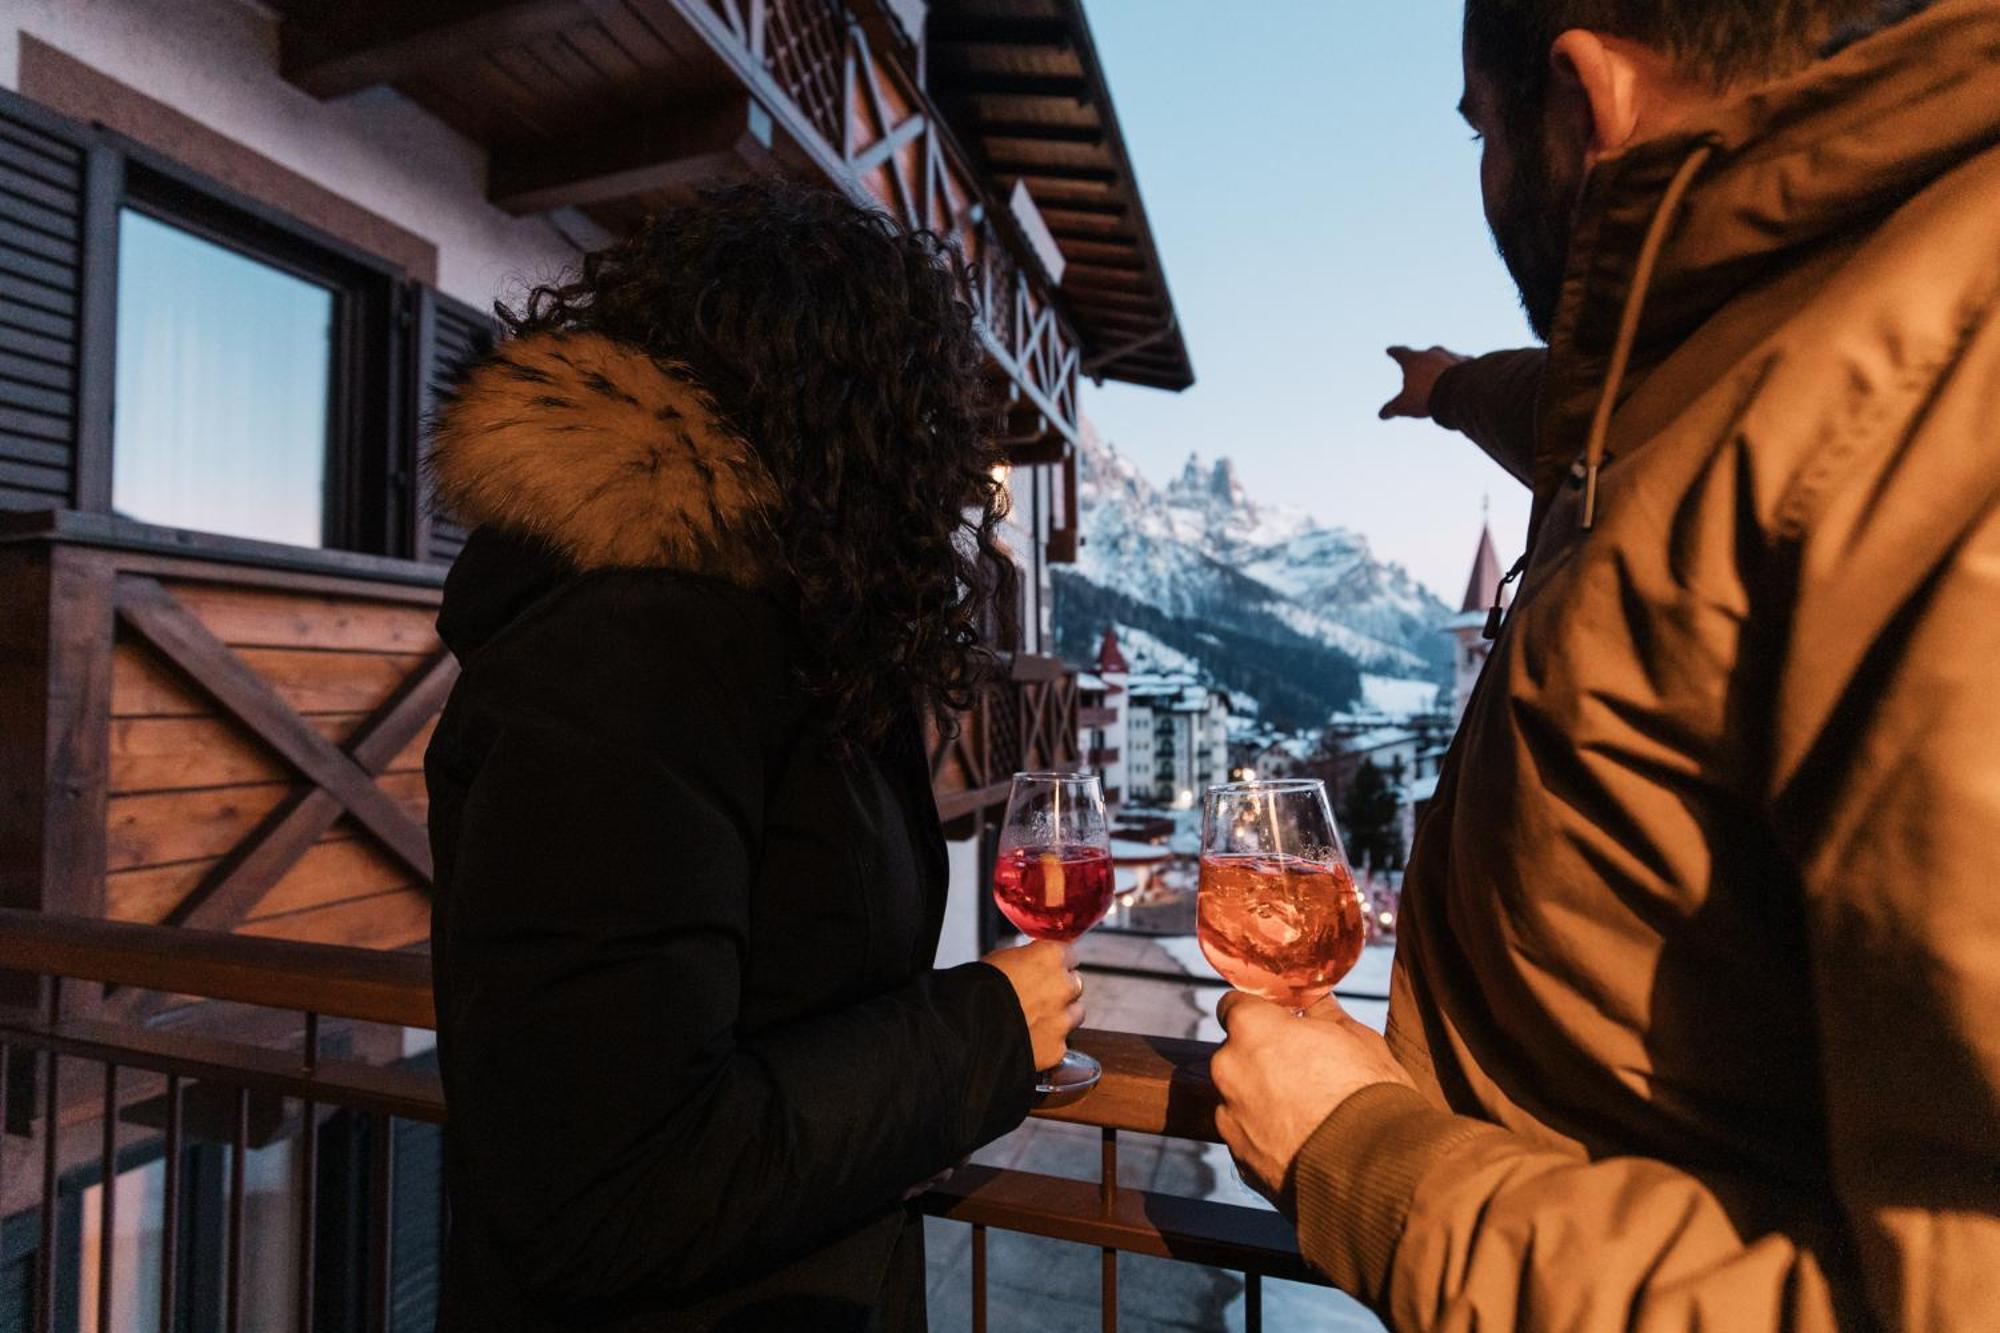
point(1315, 198)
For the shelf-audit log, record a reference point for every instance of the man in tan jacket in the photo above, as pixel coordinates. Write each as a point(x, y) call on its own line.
point(1696, 1010)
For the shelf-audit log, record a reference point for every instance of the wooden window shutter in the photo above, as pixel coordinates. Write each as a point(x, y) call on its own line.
point(45, 171)
point(451, 337)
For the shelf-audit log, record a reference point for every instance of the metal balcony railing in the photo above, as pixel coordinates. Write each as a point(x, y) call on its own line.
point(84, 1091)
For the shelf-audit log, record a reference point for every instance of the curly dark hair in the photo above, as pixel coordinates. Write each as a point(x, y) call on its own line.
point(843, 349)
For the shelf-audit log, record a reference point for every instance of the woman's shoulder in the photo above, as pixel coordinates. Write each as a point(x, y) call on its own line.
point(635, 648)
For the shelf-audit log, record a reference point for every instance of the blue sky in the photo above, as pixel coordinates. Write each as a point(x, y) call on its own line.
point(1315, 198)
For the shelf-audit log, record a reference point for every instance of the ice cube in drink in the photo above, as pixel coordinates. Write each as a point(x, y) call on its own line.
point(1281, 927)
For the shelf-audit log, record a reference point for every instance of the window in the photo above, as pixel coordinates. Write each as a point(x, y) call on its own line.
point(259, 370)
point(224, 388)
point(196, 358)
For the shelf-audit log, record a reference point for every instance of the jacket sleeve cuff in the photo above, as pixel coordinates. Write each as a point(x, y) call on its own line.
point(1445, 407)
point(1357, 1175)
point(1002, 1045)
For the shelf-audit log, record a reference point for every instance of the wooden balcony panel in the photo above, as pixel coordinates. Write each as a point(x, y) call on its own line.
point(243, 726)
point(1093, 716)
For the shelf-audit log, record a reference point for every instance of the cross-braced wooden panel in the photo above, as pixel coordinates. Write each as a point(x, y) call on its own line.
point(266, 762)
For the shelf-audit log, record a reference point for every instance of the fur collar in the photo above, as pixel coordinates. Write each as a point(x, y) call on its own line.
point(614, 459)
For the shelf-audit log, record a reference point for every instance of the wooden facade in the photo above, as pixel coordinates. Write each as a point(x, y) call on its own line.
point(213, 732)
point(210, 733)
point(232, 739)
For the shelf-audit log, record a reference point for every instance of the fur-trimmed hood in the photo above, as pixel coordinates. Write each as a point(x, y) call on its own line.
point(609, 456)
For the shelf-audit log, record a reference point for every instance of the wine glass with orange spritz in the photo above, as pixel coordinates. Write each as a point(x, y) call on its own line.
point(1278, 913)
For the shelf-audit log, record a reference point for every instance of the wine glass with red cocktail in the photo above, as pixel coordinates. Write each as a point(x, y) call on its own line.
point(1278, 913)
point(1053, 878)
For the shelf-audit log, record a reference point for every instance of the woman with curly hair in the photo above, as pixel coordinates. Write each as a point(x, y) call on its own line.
point(735, 509)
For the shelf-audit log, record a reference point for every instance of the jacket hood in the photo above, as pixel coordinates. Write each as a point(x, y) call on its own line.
point(1672, 229)
point(1792, 163)
point(605, 456)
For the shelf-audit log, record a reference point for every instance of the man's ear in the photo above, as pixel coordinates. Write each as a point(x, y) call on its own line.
point(1600, 88)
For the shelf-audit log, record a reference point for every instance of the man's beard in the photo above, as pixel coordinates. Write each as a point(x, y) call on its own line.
point(1532, 231)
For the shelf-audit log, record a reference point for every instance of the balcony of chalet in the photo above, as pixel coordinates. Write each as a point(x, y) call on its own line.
point(217, 1106)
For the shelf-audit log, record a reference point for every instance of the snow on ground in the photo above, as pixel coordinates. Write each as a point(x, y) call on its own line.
point(1397, 698)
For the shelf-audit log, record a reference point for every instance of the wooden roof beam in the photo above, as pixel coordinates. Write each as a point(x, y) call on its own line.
point(949, 26)
point(1059, 171)
point(1113, 248)
point(673, 149)
point(1086, 208)
point(1089, 135)
point(1093, 277)
point(1120, 267)
point(352, 46)
point(1086, 296)
point(1068, 87)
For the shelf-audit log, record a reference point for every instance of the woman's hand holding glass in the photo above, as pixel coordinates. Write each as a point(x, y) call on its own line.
point(1046, 982)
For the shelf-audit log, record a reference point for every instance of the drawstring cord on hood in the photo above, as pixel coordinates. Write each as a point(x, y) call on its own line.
point(1498, 613)
point(1628, 324)
point(1621, 360)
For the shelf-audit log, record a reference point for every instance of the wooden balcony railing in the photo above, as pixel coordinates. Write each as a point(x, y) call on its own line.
point(860, 113)
point(83, 1094)
point(229, 735)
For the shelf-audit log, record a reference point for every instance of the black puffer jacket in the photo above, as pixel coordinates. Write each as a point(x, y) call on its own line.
point(694, 1053)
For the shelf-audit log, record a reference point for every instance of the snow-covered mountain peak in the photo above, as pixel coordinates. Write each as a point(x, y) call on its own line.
point(1201, 548)
point(1203, 487)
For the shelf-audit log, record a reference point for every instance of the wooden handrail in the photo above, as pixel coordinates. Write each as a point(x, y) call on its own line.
point(327, 979)
point(1152, 1085)
point(1167, 1226)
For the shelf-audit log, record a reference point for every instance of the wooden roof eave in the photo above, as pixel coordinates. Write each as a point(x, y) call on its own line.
point(735, 119)
point(1080, 172)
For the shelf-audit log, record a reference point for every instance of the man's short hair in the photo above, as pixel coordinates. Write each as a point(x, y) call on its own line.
point(1722, 43)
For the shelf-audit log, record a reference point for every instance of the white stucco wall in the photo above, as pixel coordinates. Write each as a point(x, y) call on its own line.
point(959, 942)
point(216, 61)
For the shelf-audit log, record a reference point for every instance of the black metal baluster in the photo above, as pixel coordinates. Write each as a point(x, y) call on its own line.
point(978, 1279)
point(107, 1210)
point(45, 1255)
point(170, 1208)
point(232, 1294)
point(308, 1184)
point(381, 1209)
point(444, 1214)
point(1107, 1196)
point(1253, 1303)
point(6, 1059)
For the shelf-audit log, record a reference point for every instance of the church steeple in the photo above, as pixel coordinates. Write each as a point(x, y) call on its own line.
point(1468, 627)
point(1110, 660)
point(1486, 574)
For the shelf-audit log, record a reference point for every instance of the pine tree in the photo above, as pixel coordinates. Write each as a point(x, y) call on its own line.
point(1370, 817)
